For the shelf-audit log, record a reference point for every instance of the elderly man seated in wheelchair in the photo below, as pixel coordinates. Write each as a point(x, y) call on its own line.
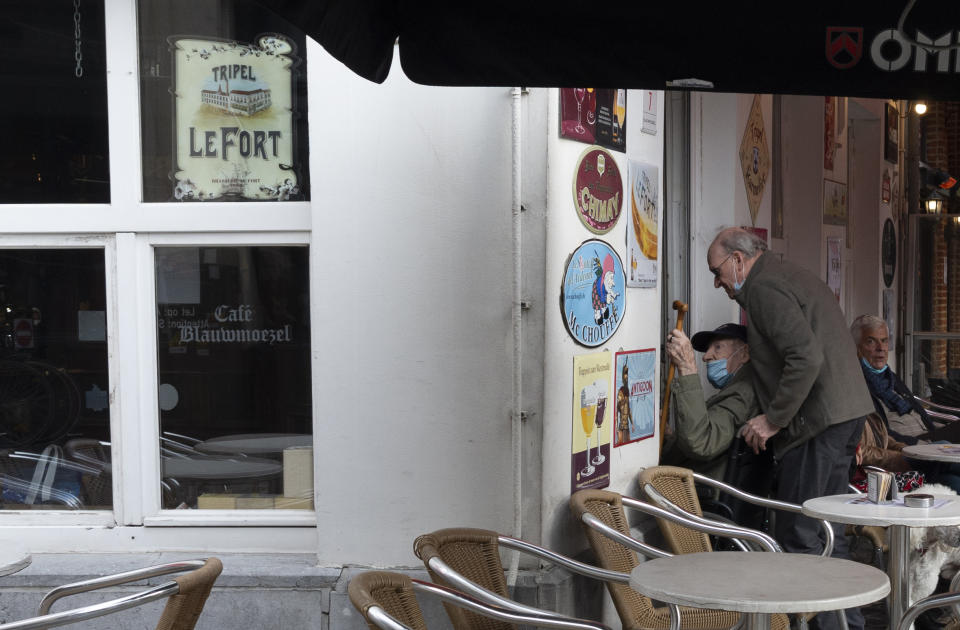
point(705, 438)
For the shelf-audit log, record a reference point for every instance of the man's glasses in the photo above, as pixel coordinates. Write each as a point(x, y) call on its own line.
point(716, 270)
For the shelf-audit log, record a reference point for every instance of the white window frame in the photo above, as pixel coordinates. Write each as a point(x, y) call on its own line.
point(149, 452)
point(127, 229)
point(75, 241)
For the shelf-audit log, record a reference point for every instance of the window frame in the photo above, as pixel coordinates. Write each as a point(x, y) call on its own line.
point(149, 452)
point(128, 230)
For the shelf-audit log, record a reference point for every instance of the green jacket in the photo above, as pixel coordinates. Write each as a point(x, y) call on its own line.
point(705, 429)
point(807, 375)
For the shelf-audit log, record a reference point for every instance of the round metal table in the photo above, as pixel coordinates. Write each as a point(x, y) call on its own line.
point(219, 468)
point(254, 443)
point(760, 583)
point(13, 558)
point(899, 519)
point(933, 452)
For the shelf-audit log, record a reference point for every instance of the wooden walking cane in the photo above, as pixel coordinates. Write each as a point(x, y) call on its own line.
point(681, 310)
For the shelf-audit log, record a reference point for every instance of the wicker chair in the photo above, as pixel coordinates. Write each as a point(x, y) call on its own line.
point(469, 560)
point(949, 599)
point(185, 594)
point(387, 601)
point(605, 524)
point(673, 488)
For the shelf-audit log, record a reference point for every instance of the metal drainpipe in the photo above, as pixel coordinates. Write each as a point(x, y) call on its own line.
point(516, 420)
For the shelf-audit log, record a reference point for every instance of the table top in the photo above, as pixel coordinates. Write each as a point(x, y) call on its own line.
point(219, 468)
point(838, 509)
point(254, 443)
point(760, 582)
point(933, 452)
point(13, 558)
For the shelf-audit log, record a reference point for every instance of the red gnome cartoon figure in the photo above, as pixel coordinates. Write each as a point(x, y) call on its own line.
point(603, 293)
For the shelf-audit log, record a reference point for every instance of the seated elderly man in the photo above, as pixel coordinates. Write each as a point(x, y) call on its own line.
point(904, 417)
point(706, 428)
point(894, 402)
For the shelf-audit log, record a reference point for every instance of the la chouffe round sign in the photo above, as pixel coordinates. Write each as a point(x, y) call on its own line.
point(592, 297)
point(597, 190)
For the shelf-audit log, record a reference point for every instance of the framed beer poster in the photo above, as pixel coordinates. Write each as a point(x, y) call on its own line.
point(578, 115)
point(592, 414)
point(642, 235)
point(234, 110)
point(635, 404)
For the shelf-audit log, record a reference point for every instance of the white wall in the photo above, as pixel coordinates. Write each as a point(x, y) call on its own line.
point(718, 195)
point(410, 264)
point(803, 184)
point(638, 330)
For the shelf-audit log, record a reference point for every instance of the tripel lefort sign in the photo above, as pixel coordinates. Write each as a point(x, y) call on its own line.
point(234, 120)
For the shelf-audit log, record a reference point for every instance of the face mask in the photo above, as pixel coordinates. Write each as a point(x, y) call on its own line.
point(736, 284)
point(717, 373)
point(873, 369)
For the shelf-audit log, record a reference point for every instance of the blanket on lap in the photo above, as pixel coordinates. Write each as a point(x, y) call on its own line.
point(934, 551)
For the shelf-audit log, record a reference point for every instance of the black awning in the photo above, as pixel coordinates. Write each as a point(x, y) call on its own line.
point(840, 47)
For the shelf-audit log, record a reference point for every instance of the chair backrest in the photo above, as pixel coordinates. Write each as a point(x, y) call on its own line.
point(632, 607)
point(474, 554)
point(97, 486)
point(186, 595)
point(393, 592)
point(184, 608)
point(386, 601)
point(677, 485)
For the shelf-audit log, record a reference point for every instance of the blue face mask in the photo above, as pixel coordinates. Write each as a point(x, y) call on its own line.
point(873, 369)
point(736, 284)
point(717, 373)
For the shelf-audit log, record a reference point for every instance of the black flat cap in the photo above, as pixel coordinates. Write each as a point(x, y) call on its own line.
point(702, 340)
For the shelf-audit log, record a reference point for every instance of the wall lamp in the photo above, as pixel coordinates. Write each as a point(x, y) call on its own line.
point(933, 205)
point(920, 107)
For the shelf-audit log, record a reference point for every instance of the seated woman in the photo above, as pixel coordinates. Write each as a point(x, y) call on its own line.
point(878, 449)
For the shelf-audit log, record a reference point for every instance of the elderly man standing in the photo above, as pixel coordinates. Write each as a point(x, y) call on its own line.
point(807, 378)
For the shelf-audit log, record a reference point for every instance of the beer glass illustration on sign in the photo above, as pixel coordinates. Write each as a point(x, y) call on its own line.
point(588, 415)
point(579, 94)
point(599, 416)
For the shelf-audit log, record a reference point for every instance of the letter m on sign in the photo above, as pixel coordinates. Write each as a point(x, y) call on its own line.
point(844, 46)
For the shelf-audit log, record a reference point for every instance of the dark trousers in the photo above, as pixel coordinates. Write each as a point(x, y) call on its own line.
point(818, 467)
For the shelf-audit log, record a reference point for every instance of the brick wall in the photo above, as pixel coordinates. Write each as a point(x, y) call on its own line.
point(944, 260)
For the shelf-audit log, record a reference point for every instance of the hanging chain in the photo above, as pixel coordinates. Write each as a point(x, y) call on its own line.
point(77, 54)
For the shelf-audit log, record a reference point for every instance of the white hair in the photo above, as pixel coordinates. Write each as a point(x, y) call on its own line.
point(865, 322)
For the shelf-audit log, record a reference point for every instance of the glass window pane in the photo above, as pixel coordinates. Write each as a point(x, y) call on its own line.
point(233, 331)
point(54, 407)
point(223, 97)
point(55, 105)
